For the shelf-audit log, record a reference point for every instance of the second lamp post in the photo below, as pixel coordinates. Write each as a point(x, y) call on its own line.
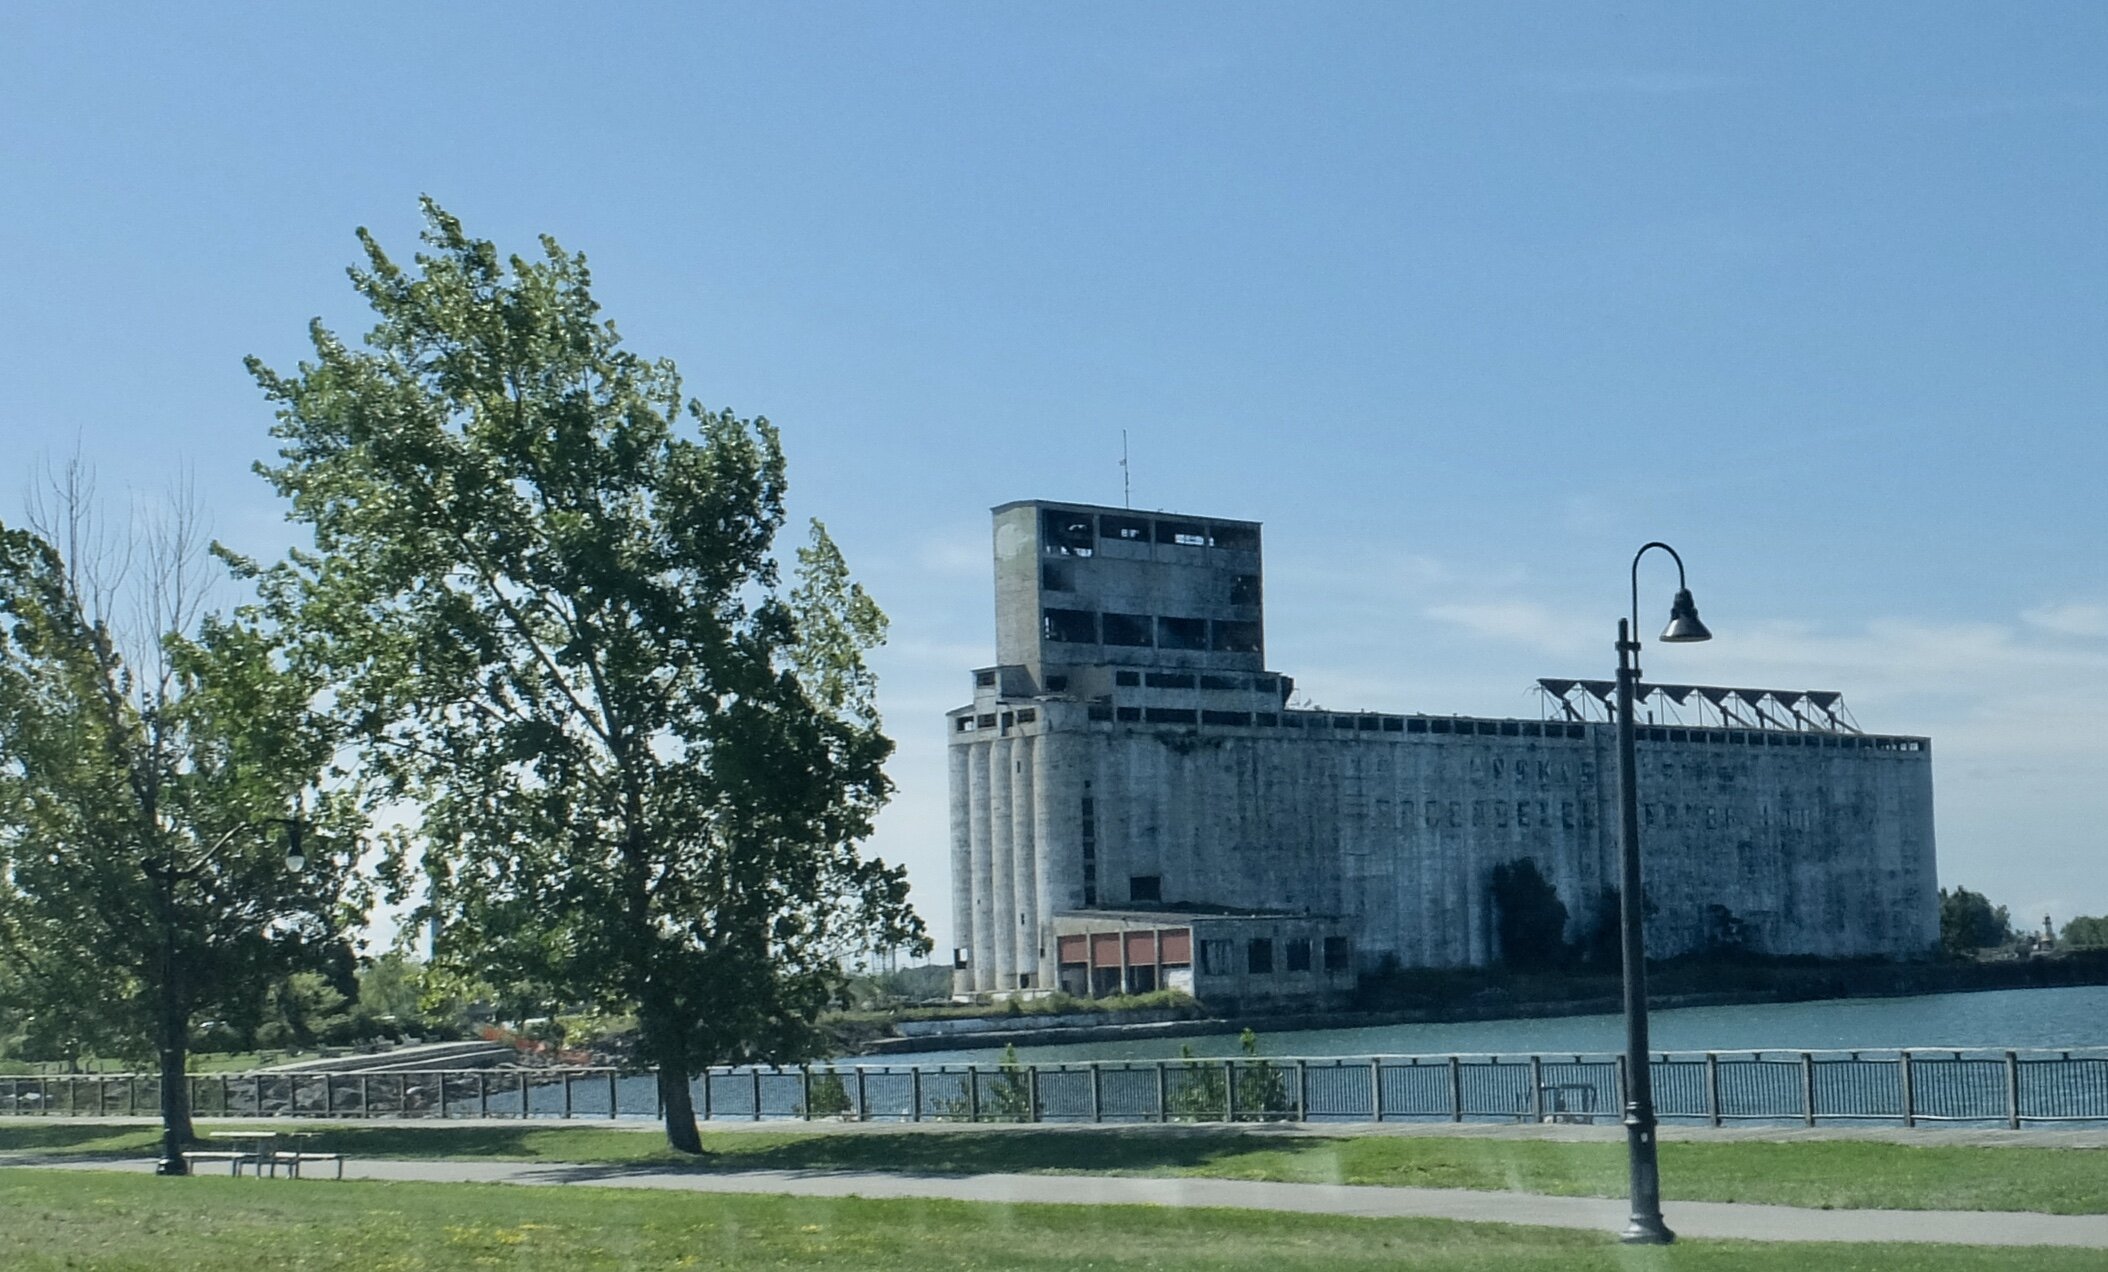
point(1646, 1227)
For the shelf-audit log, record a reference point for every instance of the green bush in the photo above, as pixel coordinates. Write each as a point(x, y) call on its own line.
point(826, 1096)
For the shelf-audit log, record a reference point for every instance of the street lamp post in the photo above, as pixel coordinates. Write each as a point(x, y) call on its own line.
point(1646, 1226)
point(166, 874)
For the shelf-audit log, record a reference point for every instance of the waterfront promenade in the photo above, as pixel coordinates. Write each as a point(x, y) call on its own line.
point(1695, 1219)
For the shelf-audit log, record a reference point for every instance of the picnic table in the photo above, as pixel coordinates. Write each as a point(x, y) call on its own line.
point(263, 1150)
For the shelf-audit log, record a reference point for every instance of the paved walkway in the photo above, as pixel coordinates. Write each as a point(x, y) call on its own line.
point(1687, 1218)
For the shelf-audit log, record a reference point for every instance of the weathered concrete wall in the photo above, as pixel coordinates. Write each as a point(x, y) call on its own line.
point(1822, 847)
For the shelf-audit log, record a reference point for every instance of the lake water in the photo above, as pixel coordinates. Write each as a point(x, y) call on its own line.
point(2017, 1018)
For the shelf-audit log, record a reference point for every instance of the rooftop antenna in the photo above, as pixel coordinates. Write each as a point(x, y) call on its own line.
point(1127, 490)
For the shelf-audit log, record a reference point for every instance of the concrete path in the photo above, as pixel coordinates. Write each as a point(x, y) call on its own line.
point(1687, 1218)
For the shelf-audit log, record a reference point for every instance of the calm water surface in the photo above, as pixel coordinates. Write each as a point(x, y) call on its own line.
point(2020, 1018)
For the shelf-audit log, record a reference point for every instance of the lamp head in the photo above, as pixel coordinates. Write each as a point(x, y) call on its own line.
point(295, 855)
point(1684, 627)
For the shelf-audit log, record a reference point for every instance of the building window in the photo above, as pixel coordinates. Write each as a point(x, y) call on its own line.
point(1057, 576)
point(1182, 633)
point(1244, 589)
point(1090, 851)
point(1299, 954)
point(1237, 637)
point(1125, 529)
point(1127, 629)
point(1057, 684)
point(1078, 627)
point(1215, 958)
point(1145, 888)
point(984, 679)
point(1127, 679)
point(1336, 954)
point(1259, 956)
point(1067, 533)
point(1190, 534)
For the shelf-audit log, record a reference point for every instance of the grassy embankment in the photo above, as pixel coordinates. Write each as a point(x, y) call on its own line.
point(1845, 1174)
point(80, 1219)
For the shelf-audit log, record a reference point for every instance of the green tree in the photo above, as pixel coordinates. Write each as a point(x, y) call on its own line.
point(1969, 922)
point(2086, 933)
point(1529, 919)
point(145, 748)
point(547, 583)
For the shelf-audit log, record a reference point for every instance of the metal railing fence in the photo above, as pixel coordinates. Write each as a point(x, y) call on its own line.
point(2013, 1088)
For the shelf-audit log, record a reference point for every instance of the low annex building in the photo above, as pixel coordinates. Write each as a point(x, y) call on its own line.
point(1134, 805)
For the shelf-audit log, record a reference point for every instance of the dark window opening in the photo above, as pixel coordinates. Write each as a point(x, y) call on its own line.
point(1266, 719)
point(1368, 724)
point(1067, 533)
point(1532, 730)
point(985, 722)
point(1008, 719)
point(1028, 715)
point(1510, 729)
point(1057, 684)
point(1078, 627)
point(984, 678)
point(1226, 717)
point(1024, 980)
point(1298, 952)
point(1291, 722)
point(1145, 888)
point(1170, 680)
point(1141, 980)
point(1190, 533)
point(1057, 576)
point(1335, 953)
point(1221, 682)
point(1182, 633)
point(1236, 637)
point(1438, 726)
point(1170, 715)
point(1101, 713)
point(1416, 726)
point(1215, 958)
point(1127, 679)
point(1241, 538)
point(1259, 955)
point(1126, 529)
point(1244, 589)
point(1392, 724)
point(1130, 715)
point(965, 724)
point(1489, 729)
point(1265, 684)
point(1127, 629)
point(1343, 722)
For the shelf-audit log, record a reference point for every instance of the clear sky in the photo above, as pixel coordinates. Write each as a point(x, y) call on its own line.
point(1464, 301)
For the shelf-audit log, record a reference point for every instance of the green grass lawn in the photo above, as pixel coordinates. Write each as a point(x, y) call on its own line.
point(81, 1219)
point(1839, 1173)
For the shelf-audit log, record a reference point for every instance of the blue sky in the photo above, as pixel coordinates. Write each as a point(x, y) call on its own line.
point(1464, 301)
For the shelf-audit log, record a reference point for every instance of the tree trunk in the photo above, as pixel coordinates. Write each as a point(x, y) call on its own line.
point(177, 1132)
point(665, 1043)
point(681, 1133)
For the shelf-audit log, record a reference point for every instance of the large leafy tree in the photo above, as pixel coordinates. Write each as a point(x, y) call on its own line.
point(1529, 918)
point(150, 757)
point(548, 584)
point(1969, 922)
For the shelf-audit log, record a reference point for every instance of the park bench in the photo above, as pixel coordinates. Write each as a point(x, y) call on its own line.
point(234, 1160)
point(293, 1160)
